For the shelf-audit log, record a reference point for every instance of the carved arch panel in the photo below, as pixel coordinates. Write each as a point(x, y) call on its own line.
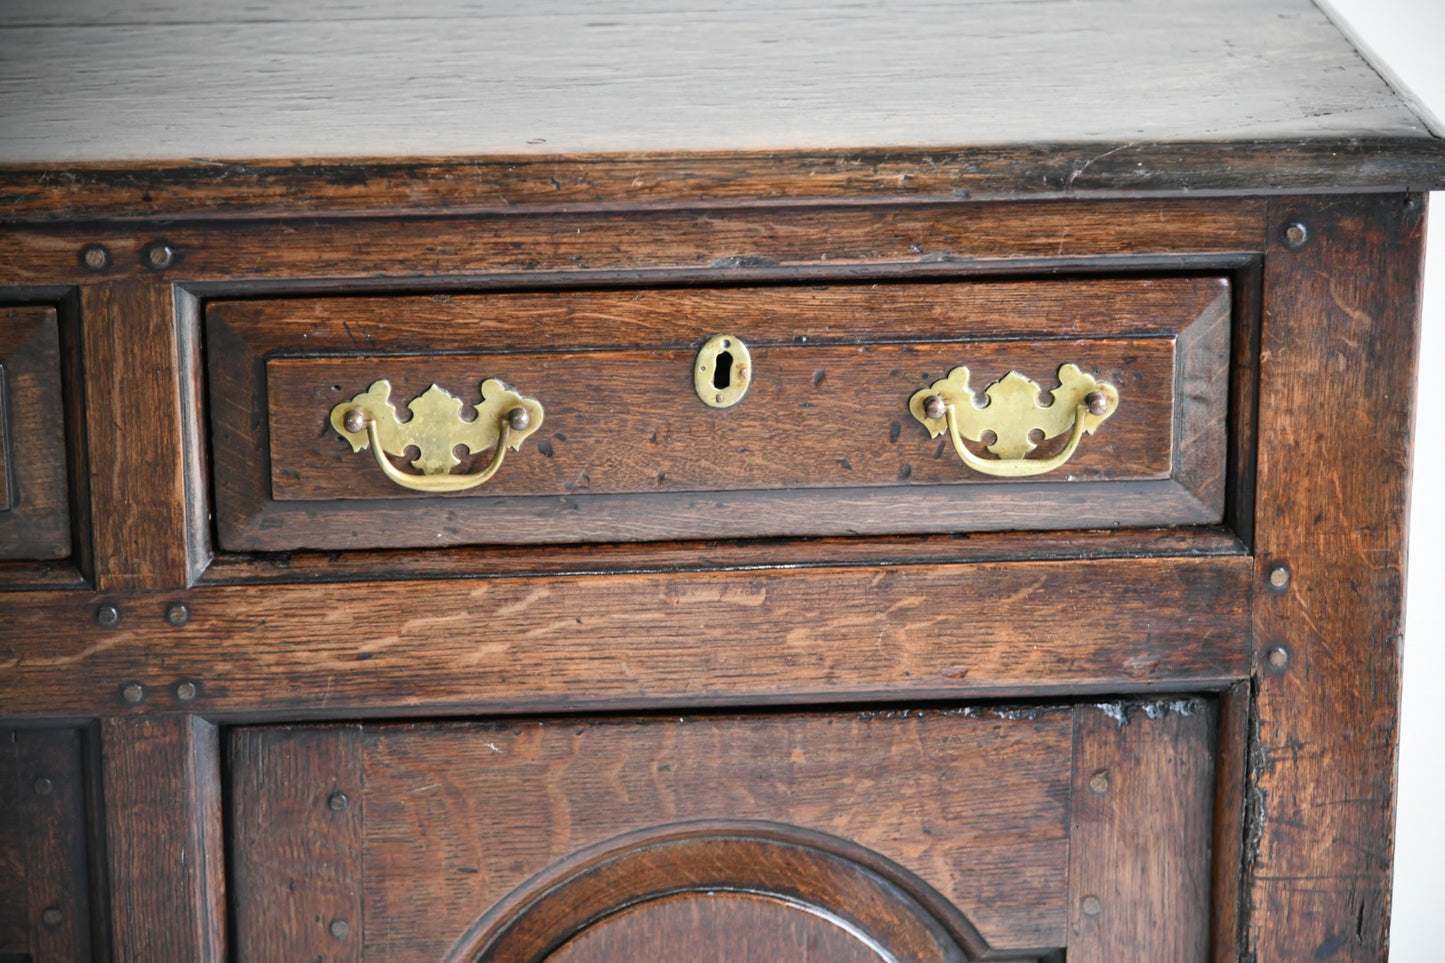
point(734, 886)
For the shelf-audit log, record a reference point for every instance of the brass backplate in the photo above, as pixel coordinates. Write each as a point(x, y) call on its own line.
point(722, 372)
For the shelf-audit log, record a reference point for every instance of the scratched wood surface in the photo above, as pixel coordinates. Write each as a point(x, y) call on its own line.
point(459, 816)
point(165, 855)
point(189, 79)
point(1141, 836)
point(799, 242)
point(295, 809)
point(1333, 488)
point(630, 640)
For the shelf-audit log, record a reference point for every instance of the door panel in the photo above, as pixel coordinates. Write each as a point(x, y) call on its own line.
point(941, 834)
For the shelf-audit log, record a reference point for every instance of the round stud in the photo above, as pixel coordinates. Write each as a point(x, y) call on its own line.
point(186, 691)
point(133, 692)
point(340, 929)
point(338, 802)
point(354, 420)
point(107, 616)
point(1095, 403)
point(158, 255)
point(1099, 782)
point(1279, 576)
point(934, 407)
point(1277, 657)
point(177, 614)
point(95, 257)
point(519, 418)
point(1295, 235)
point(52, 917)
point(1092, 906)
point(43, 786)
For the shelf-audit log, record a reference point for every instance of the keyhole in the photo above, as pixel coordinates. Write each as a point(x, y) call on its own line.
point(722, 371)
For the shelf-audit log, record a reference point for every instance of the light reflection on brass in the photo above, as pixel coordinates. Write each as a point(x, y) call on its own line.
point(1012, 416)
point(504, 420)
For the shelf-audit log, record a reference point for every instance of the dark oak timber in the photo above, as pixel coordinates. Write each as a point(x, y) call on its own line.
point(1333, 483)
point(1140, 839)
point(163, 838)
point(34, 509)
point(135, 437)
point(831, 374)
point(241, 188)
point(781, 681)
point(836, 241)
point(626, 640)
point(45, 847)
point(297, 806)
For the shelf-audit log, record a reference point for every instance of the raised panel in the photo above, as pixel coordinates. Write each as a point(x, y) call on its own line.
point(45, 850)
point(34, 497)
point(944, 834)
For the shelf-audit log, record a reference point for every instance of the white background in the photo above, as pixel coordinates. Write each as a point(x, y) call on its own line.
point(1407, 39)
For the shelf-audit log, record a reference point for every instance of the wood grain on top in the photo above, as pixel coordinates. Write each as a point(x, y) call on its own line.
point(172, 79)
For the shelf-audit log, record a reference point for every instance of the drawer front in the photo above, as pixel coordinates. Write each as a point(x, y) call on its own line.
point(629, 441)
point(925, 835)
point(34, 502)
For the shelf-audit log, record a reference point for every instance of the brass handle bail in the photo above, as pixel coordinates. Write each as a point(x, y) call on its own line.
point(1012, 416)
point(504, 420)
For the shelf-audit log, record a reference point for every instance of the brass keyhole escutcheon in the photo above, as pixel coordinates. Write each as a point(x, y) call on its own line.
point(722, 372)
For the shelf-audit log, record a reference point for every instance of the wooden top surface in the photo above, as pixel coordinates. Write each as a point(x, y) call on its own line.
point(176, 80)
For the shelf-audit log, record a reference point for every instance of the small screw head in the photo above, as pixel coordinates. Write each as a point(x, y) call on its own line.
point(52, 917)
point(133, 692)
point(338, 802)
point(519, 418)
point(177, 614)
point(186, 691)
point(107, 616)
point(1096, 403)
point(95, 257)
point(1099, 782)
point(43, 786)
point(158, 255)
point(1295, 235)
point(1277, 657)
point(1279, 576)
point(354, 420)
point(934, 407)
point(340, 929)
point(1092, 906)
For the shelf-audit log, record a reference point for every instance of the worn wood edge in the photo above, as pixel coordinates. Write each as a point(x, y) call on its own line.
point(1323, 882)
point(721, 556)
point(168, 872)
point(549, 520)
point(205, 187)
point(1433, 124)
point(610, 642)
point(1226, 937)
point(1247, 288)
point(799, 243)
point(1111, 841)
